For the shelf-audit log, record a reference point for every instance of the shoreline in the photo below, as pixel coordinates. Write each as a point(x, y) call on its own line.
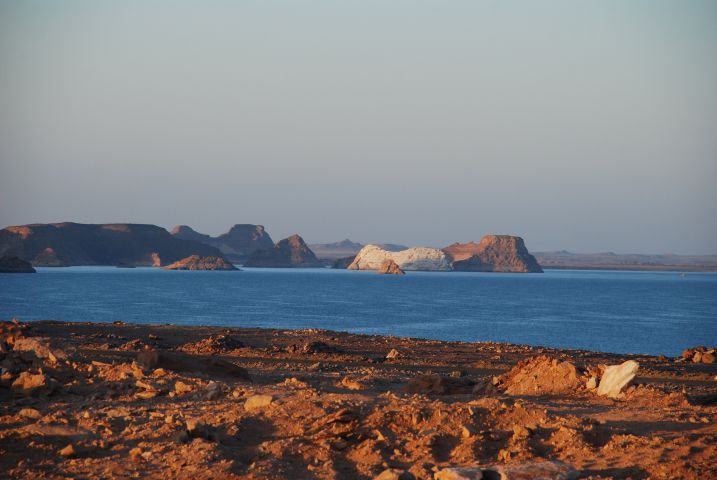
point(256, 403)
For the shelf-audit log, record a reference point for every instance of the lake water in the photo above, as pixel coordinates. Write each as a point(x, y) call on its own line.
point(626, 312)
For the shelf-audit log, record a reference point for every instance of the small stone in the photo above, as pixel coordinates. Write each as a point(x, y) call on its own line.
point(592, 383)
point(520, 432)
point(194, 425)
point(467, 431)
point(30, 413)
point(136, 454)
point(393, 354)
point(258, 401)
point(390, 474)
point(350, 384)
point(29, 383)
point(68, 451)
point(708, 357)
point(181, 387)
point(459, 474)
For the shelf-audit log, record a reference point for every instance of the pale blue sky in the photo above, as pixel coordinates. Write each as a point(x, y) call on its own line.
point(590, 126)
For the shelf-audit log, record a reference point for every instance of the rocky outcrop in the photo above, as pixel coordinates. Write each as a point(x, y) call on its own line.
point(371, 257)
point(494, 253)
point(9, 264)
point(237, 244)
point(195, 262)
point(291, 252)
point(389, 267)
point(63, 244)
point(343, 263)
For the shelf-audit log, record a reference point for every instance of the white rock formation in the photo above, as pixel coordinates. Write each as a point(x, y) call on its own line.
point(616, 378)
point(371, 257)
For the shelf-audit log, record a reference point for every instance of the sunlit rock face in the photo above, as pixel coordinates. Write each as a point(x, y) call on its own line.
point(371, 257)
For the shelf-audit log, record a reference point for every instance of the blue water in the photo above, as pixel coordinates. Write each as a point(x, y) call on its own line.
point(627, 312)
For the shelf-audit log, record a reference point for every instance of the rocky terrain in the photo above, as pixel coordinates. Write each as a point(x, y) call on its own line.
point(389, 267)
point(10, 264)
point(614, 261)
point(291, 252)
point(81, 400)
point(371, 257)
point(195, 262)
point(237, 244)
point(494, 253)
point(65, 244)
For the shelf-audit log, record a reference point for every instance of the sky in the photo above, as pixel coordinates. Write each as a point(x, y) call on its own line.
point(582, 125)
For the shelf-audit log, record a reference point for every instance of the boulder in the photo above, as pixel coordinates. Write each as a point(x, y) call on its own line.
point(12, 264)
point(29, 384)
point(195, 262)
point(494, 253)
point(372, 257)
point(616, 378)
point(389, 267)
point(258, 401)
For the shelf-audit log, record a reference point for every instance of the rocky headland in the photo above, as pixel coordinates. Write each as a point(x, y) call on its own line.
point(10, 264)
point(65, 244)
point(494, 253)
point(84, 400)
point(291, 252)
point(237, 244)
point(372, 257)
point(195, 262)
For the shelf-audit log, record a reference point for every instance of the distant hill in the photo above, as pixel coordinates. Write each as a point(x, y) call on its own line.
point(633, 261)
point(290, 252)
point(347, 248)
point(237, 244)
point(64, 244)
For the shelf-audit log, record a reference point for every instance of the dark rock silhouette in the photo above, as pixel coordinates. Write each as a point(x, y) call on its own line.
point(10, 264)
point(288, 253)
point(64, 244)
point(237, 244)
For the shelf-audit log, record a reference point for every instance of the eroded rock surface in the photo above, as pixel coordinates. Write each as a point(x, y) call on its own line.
point(372, 257)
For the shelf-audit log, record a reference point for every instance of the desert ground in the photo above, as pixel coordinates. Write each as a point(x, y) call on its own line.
point(88, 400)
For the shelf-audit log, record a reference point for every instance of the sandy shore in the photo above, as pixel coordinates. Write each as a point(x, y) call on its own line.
point(158, 401)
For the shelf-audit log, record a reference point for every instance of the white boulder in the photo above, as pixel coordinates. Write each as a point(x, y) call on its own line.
point(371, 257)
point(616, 378)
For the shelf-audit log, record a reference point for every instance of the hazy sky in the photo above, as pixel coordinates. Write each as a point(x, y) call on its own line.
point(590, 126)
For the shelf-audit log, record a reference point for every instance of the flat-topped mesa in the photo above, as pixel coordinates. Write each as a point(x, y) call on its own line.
point(291, 252)
point(10, 264)
point(371, 257)
point(494, 253)
point(196, 262)
point(63, 244)
point(237, 244)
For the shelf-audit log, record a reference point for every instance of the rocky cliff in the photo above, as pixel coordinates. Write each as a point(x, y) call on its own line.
point(494, 253)
point(195, 262)
point(64, 244)
point(289, 252)
point(9, 264)
point(237, 244)
point(372, 257)
point(389, 267)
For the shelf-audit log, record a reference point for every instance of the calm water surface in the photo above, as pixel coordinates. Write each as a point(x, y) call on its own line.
point(628, 312)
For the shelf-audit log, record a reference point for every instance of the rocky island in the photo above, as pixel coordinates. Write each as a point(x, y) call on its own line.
point(65, 244)
point(494, 253)
point(10, 264)
point(195, 262)
point(372, 257)
point(237, 244)
point(291, 252)
point(88, 400)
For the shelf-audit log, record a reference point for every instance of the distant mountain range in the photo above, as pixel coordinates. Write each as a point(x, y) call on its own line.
point(614, 261)
point(127, 244)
